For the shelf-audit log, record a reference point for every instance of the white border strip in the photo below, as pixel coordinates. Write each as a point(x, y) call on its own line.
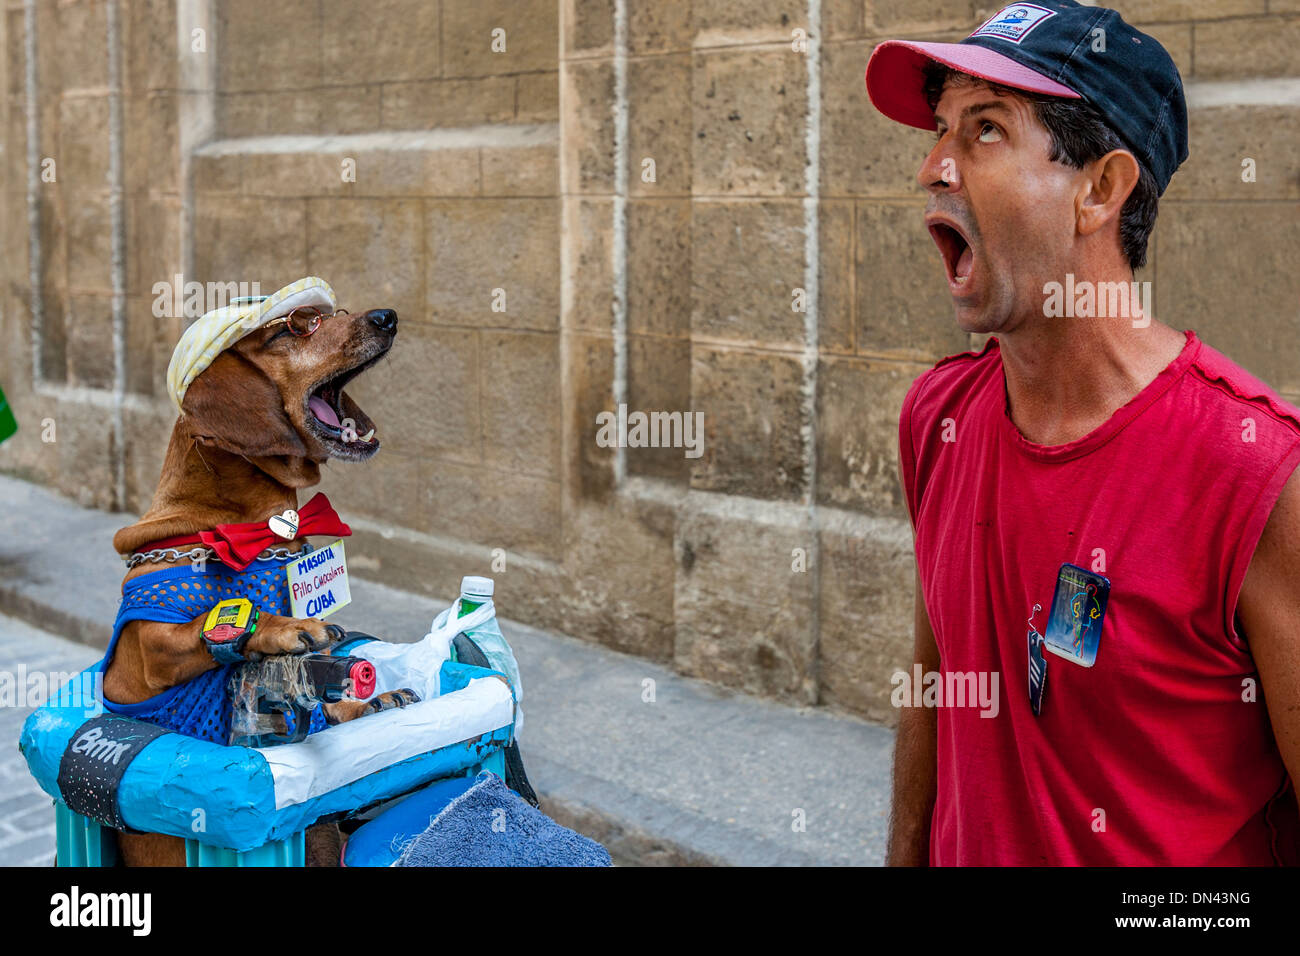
point(620, 226)
point(343, 754)
point(117, 191)
point(37, 301)
point(1284, 91)
point(812, 303)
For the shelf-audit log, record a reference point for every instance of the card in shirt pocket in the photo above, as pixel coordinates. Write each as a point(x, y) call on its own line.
point(1078, 610)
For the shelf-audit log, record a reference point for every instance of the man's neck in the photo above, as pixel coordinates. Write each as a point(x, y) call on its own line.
point(1065, 377)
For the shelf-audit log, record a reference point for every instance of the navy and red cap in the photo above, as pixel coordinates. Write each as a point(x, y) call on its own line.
point(1059, 48)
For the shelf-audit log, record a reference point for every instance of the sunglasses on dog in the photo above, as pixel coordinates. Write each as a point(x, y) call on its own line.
point(305, 320)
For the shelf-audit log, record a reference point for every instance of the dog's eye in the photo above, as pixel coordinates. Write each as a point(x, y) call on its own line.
point(282, 332)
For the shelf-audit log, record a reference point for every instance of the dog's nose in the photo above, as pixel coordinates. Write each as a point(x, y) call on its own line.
point(385, 319)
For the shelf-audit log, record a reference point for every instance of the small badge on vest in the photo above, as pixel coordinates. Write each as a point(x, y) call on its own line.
point(1078, 609)
point(93, 764)
point(1037, 670)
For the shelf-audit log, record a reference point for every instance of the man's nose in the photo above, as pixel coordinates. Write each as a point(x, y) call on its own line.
point(939, 172)
point(383, 319)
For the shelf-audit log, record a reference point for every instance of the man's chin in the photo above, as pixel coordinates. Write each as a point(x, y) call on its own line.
point(975, 319)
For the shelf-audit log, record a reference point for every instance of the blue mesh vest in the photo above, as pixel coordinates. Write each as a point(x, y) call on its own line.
point(200, 707)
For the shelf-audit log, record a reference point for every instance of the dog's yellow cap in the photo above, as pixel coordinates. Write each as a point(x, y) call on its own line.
point(221, 328)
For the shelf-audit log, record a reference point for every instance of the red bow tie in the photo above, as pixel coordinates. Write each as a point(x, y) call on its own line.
point(238, 545)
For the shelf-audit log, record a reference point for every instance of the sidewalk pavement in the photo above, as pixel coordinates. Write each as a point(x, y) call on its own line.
point(701, 775)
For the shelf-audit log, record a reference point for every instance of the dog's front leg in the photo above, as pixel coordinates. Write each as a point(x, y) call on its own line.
point(152, 656)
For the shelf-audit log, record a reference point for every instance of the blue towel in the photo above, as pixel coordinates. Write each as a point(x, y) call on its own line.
point(491, 825)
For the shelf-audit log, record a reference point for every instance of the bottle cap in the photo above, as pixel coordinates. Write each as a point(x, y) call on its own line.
point(472, 586)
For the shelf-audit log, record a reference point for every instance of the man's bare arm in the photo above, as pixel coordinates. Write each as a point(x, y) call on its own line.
point(914, 758)
point(1269, 609)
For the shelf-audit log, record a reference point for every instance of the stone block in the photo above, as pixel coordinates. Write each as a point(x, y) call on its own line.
point(379, 41)
point(748, 109)
point(589, 278)
point(89, 242)
point(588, 127)
point(588, 27)
point(430, 104)
point(904, 307)
point(260, 45)
point(659, 380)
point(659, 249)
point(151, 143)
point(531, 37)
point(479, 246)
point(744, 616)
point(371, 251)
point(268, 113)
point(747, 262)
point(526, 171)
point(82, 160)
point(753, 418)
point(90, 341)
point(858, 406)
point(537, 97)
point(493, 509)
point(1247, 48)
point(836, 277)
point(655, 27)
point(863, 153)
point(659, 129)
point(1153, 11)
point(1215, 263)
point(1222, 138)
point(520, 382)
point(866, 615)
point(588, 390)
point(424, 397)
point(250, 240)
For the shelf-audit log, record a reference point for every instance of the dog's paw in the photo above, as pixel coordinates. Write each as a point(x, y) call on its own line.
point(391, 699)
point(342, 711)
point(289, 635)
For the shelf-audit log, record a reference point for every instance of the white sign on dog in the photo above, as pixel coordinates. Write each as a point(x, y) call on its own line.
point(318, 582)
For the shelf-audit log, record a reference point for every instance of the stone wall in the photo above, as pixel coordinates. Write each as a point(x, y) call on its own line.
point(684, 207)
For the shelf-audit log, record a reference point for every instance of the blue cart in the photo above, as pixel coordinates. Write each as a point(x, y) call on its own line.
point(237, 806)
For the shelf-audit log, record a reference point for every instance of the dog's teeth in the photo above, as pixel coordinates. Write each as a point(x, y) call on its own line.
point(367, 436)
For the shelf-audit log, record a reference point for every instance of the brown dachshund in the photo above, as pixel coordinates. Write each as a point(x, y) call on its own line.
point(247, 440)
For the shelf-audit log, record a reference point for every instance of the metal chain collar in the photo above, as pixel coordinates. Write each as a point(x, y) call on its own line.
point(203, 554)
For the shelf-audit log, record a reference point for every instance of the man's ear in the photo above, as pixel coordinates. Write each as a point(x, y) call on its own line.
point(1112, 179)
point(235, 406)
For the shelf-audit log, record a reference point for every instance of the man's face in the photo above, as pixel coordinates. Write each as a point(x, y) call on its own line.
point(1001, 213)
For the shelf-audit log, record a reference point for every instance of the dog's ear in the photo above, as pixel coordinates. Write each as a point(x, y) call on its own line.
point(235, 406)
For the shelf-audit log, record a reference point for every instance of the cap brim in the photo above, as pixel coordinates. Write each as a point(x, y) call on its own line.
point(895, 82)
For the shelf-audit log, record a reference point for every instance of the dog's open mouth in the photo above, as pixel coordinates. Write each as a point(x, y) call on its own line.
point(337, 420)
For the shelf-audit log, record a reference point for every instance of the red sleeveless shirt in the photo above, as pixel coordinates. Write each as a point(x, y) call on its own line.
point(1157, 754)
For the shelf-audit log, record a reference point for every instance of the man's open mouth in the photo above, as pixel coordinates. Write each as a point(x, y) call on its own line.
point(337, 420)
point(955, 247)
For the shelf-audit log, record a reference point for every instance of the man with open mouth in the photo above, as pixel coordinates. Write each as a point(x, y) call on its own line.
point(1102, 506)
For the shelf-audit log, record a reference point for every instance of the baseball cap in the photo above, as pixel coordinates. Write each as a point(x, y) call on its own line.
point(1058, 48)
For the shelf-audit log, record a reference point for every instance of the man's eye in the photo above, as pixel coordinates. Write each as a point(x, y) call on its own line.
point(988, 128)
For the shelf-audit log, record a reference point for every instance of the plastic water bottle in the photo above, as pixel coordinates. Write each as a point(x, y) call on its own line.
point(474, 592)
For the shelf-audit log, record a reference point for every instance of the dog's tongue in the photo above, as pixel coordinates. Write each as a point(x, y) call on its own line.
point(321, 409)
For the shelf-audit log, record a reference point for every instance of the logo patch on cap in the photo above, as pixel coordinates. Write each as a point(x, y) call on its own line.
point(1014, 23)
